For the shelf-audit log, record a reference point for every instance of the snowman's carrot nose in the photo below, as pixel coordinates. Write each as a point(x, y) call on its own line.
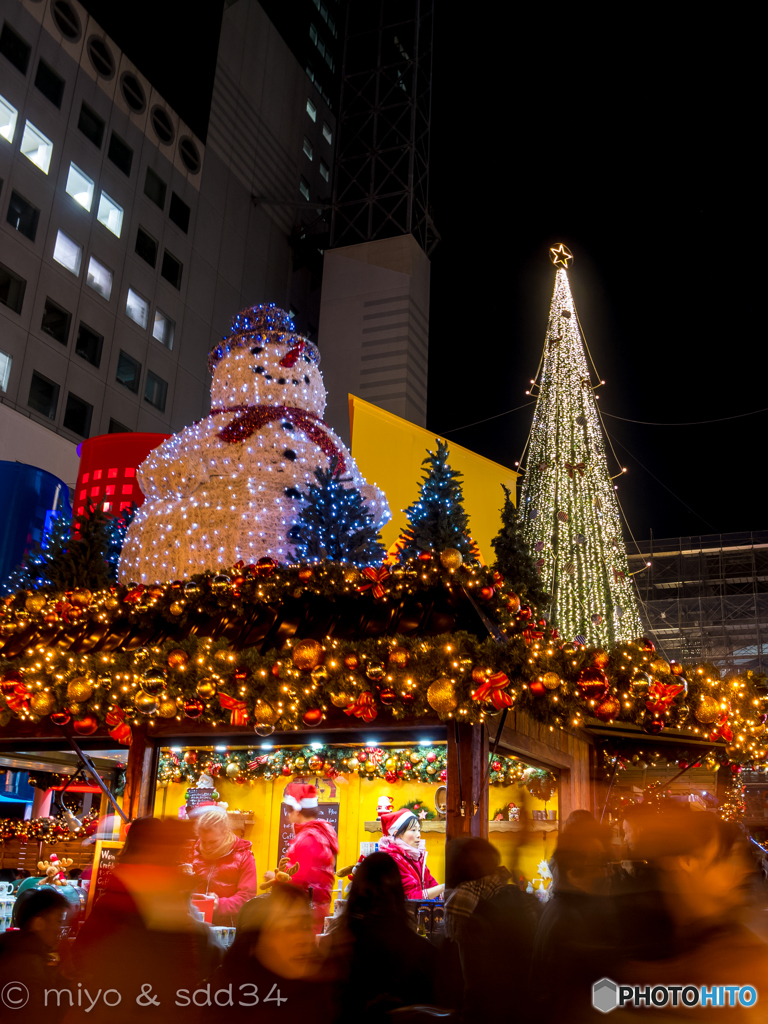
point(290, 358)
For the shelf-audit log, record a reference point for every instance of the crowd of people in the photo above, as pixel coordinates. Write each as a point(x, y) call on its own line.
point(670, 912)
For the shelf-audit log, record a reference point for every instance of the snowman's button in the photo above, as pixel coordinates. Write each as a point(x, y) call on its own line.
point(258, 369)
point(281, 380)
point(294, 381)
point(292, 492)
point(306, 379)
point(287, 425)
point(289, 453)
point(267, 376)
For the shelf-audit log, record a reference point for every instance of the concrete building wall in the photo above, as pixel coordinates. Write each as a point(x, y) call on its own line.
point(374, 329)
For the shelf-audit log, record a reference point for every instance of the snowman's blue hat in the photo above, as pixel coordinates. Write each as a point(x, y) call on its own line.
point(261, 325)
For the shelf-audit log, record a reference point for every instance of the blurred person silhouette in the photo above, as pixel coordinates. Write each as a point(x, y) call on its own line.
point(576, 933)
point(140, 931)
point(375, 951)
point(402, 841)
point(485, 914)
point(705, 875)
point(29, 956)
point(273, 969)
point(314, 848)
point(223, 865)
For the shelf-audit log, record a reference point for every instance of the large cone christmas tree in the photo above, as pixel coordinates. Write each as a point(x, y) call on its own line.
point(568, 506)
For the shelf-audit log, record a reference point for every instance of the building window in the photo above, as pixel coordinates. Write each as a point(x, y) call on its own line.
point(89, 345)
point(171, 269)
point(304, 187)
point(327, 133)
point(189, 154)
point(99, 278)
point(155, 391)
point(137, 308)
point(43, 395)
point(14, 48)
point(133, 94)
point(56, 321)
point(101, 57)
point(162, 125)
point(110, 214)
point(8, 116)
point(120, 153)
point(308, 148)
point(128, 372)
point(23, 216)
point(77, 415)
point(68, 253)
point(118, 428)
point(311, 109)
point(155, 188)
point(80, 187)
point(36, 147)
point(12, 288)
point(163, 329)
point(66, 20)
point(146, 247)
point(91, 125)
point(179, 212)
point(6, 362)
point(49, 83)
point(325, 172)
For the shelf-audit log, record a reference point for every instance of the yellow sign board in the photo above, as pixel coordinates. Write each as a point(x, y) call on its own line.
point(389, 451)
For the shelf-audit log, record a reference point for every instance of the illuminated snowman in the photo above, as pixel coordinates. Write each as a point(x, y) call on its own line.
point(227, 488)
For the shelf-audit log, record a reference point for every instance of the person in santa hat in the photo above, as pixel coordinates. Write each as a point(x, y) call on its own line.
point(314, 848)
point(402, 841)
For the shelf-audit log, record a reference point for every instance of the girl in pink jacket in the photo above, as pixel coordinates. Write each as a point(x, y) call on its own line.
point(402, 841)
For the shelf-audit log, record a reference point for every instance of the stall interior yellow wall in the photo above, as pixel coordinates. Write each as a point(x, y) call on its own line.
point(522, 852)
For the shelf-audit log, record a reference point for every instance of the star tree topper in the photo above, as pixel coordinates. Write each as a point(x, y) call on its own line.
point(561, 255)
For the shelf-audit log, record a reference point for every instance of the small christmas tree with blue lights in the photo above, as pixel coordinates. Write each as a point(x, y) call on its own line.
point(437, 521)
point(335, 523)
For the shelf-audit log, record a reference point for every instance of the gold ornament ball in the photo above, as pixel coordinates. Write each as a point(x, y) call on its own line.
point(220, 584)
point(441, 696)
point(390, 764)
point(375, 671)
point(352, 576)
point(451, 558)
point(398, 657)
point(265, 714)
point(166, 706)
point(659, 667)
point(176, 608)
point(81, 598)
point(320, 674)
point(233, 770)
point(370, 767)
point(640, 685)
point(145, 703)
point(415, 758)
point(300, 762)
point(153, 680)
point(75, 709)
point(79, 690)
point(42, 703)
point(35, 603)
point(480, 675)
point(206, 689)
point(341, 700)
point(308, 654)
point(551, 680)
point(221, 655)
point(707, 710)
point(177, 658)
point(315, 763)
point(431, 770)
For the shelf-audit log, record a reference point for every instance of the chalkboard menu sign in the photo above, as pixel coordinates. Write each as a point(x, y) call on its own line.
point(328, 812)
point(199, 798)
point(104, 862)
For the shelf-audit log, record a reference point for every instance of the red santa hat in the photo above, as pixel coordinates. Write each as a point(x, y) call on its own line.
point(299, 796)
point(392, 821)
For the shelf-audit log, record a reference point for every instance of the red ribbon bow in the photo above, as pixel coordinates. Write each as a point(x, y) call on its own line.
point(364, 707)
point(662, 696)
point(493, 689)
point(257, 762)
point(377, 577)
point(239, 715)
point(253, 417)
point(134, 596)
point(723, 730)
point(290, 358)
point(572, 466)
point(18, 698)
point(119, 729)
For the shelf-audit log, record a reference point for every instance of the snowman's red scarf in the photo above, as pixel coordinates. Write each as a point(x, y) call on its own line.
point(253, 417)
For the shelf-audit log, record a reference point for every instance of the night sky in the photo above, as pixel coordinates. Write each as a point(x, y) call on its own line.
point(636, 144)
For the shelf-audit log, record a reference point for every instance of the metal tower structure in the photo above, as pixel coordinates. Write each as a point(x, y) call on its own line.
point(381, 182)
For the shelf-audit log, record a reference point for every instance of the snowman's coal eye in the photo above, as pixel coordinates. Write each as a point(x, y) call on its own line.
point(281, 380)
point(289, 453)
point(292, 492)
point(287, 425)
point(306, 379)
point(258, 369)
point(294, 381)
point(255, 351)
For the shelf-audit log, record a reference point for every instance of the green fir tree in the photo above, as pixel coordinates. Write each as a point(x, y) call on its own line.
point(335, 523)
point(513, 558)
point(437, 520)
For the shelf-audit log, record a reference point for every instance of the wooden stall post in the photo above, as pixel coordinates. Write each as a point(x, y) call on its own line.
point(140, 774)
point(467, 799)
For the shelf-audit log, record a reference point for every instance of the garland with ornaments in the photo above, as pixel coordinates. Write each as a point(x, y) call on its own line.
point(47, 830)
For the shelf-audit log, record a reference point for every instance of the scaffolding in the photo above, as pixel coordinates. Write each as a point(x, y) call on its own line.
point(706, 598)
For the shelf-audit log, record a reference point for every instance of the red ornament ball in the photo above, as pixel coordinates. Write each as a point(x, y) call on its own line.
point(387, 696)
point(676, 668)
point(496, 766)
point(287, 770)
point(735, 769)
point(486, 593)
point(407, 766)
point(390, 777)
point(645, 644)
point(241, 674)
point(425, 556)
point(190, 757)
point(193, 708)
point(653, 725)
point(362, 757)
point(593, 683)
point(265, 566)
point(407, 699)
point(214, 770)
point(608, 709)
point(431, 756)
point(537, 688)
point(443, 775)
point(60, 717)
point(312, 717)
point(86, 725)
point(10, 679)
point(306, 574)
point(524, 613)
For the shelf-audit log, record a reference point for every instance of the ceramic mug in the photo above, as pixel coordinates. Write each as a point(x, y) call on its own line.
point(6, 888)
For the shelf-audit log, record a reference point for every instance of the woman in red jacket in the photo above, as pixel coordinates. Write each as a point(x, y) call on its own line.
point(223, 866)
point(402, 841)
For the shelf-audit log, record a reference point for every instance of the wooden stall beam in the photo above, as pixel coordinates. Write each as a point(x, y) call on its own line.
point(140, 775)
point(467, 801)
